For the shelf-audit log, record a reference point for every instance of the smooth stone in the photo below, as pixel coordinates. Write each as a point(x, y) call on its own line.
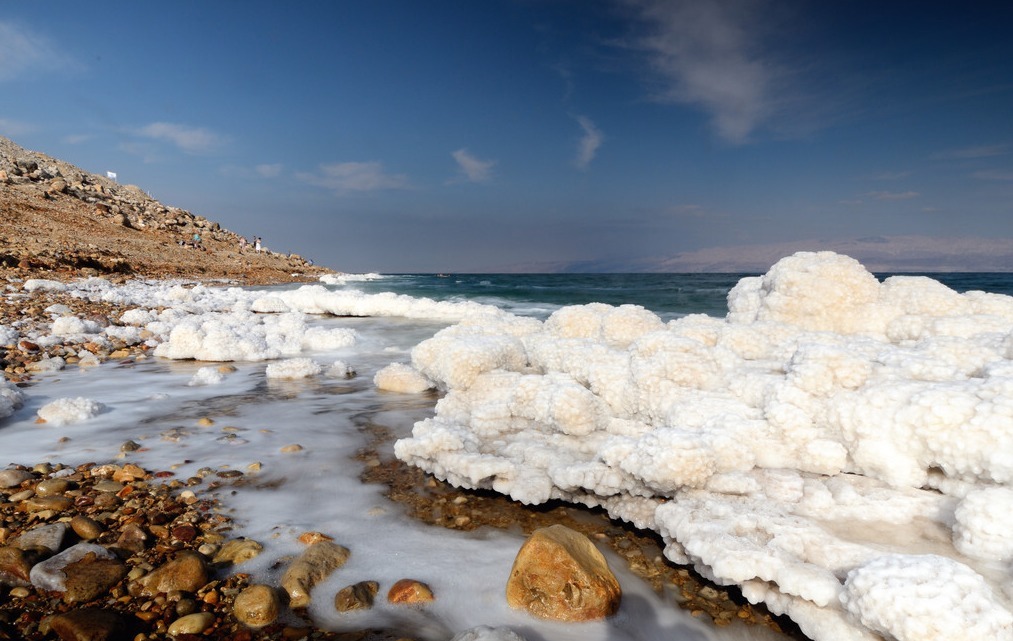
point(132, 538)
point(86, 527)
point(237, 551)
point(312, 566)
point(51, 574)
point(410, 591)
point(358, 596)
point(187, 572)
point(55, 503)
point(560, 575)
point(106, 485)
point(90, 624)
point(13, 478)
point(195, 623)
point(257, 606)
point(49, 536)
point(52, 487)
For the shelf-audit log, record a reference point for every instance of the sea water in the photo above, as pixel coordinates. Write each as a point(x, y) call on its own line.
point(160, 403)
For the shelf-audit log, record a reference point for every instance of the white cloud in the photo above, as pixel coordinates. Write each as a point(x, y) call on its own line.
point(268, 170)
point(893, 195)
point(345, 177)
point(589, 142)
point(192, 140)
point(25, 51)
point(709, 54)
point(471, 168)
point(11, 128)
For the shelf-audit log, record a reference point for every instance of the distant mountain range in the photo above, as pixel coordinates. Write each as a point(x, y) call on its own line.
point(877, 253)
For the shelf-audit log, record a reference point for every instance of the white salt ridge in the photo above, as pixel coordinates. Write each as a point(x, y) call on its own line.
point(207, 376)
point(66, 411)
point(11, 398)
point(294, 368)
point(398, 377)
point(827, 418)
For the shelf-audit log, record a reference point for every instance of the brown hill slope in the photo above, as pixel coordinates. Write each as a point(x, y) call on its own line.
point(58, 221)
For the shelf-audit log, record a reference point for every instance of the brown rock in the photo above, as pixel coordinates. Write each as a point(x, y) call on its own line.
point(356, 597)
point(56, 503)
point(13, 478)
point(311, 567)
point(237, 551)
point(410, 591)
point(52, 487)
point(187, 572)
point(57, 186)
point(560, 575)
point(257, 606)
point(86, 528)
point(90, 624)
point(196, 623)
point(91, 577)
point(132, 538)
point(16, 565)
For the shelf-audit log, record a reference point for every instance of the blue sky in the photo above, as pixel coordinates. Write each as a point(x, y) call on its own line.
point(433, 135)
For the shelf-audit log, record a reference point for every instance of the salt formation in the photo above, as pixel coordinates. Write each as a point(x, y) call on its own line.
point(839, 447)
point(11, 398)
point(65, 411)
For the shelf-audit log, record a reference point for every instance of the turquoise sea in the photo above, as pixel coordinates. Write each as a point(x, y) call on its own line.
point(668, 295)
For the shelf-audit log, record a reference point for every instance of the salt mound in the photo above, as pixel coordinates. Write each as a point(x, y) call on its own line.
point(827, 418)
point(65, 411)
point(294, 368)
point(11, 398)
point(398, 377)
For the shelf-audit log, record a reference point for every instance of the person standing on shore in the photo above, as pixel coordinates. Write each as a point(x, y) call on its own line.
point(256, 244)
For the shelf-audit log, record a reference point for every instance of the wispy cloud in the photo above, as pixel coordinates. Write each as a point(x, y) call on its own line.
point(892, 195)
point(471, 168)
point(890, 175)
point(344, 177)
point(709, 54)
point(268, 170)
point(77, 139)
point(994, 174)
point(687, 211)
point(24, 51)
point(13, 128)
point(589, 143)
point(979, 151)
point(192, 140)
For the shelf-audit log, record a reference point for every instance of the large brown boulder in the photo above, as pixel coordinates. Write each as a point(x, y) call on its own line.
point(560, 575)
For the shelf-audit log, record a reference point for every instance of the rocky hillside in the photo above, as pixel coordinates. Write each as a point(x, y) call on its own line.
point(58, 221)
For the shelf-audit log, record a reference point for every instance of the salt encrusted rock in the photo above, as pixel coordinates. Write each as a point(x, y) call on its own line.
point(13, 478)
point(410, 592)
point(358, 596)
point(257, 606)
point(52, 574)
point(49, 536)
point(91, 577)
point(560, 575)
point(237, 551)
point(312, 566)
point(195, 623)
point(187, 572)
point(90, 624)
